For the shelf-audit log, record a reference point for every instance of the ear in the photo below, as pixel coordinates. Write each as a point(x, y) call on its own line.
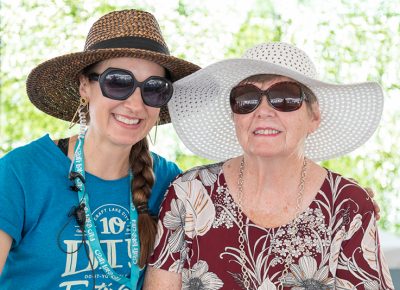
point(315, 116)
point(84, 88)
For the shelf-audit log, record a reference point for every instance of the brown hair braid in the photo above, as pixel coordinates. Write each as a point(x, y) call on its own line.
point(143, 179)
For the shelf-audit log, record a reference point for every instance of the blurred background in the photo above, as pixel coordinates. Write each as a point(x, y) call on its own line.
point(348, 40)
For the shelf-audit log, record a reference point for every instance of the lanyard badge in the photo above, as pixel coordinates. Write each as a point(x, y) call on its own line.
point(78, 175)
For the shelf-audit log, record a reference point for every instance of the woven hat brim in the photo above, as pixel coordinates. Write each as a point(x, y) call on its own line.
point(53, 86)
point(201, 113)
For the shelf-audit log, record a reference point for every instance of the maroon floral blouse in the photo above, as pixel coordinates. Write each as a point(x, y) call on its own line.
point(336, 246)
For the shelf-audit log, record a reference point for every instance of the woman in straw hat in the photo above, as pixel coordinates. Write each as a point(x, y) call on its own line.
point(51, 234)
point(268, 216)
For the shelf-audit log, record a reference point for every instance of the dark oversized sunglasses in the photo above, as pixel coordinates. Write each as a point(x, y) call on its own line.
point(283, 97)
point(119, 84)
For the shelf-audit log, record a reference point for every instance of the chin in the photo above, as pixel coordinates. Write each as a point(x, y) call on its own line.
point(125, 140)
point(264, 153)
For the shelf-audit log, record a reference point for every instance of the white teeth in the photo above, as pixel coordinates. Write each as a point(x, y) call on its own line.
point(266, 132)
point(126, 120)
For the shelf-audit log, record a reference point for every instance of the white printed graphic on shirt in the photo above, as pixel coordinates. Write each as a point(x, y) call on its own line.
point(113, 230)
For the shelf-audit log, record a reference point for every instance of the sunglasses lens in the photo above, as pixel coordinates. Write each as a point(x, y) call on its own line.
point(244, 99)
point(157, 91)
point(118, 85)
point(285, 96)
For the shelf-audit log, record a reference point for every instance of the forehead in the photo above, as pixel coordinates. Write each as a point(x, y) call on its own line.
point(265, 84)
point(132, 64)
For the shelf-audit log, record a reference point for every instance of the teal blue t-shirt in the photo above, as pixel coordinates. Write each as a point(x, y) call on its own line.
point(35, 199)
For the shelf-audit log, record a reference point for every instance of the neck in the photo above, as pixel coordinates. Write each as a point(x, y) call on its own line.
point(272, 178)
point(104, 159)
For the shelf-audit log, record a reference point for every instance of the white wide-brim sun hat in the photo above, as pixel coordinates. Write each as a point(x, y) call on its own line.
point(201, 113)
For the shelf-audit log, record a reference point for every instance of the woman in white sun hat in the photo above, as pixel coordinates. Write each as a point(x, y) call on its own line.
point(268, 216)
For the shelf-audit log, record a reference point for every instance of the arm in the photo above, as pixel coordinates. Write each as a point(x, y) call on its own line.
point(377, 209)
point(168, 259)
point(5, 245)
point(361, 263)
point(11, 209)
point(161, 279)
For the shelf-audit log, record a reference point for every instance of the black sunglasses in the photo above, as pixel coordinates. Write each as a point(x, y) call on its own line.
point(119, 84)
point(282, 96)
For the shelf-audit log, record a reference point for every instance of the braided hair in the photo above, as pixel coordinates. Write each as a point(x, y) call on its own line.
point(141, 165)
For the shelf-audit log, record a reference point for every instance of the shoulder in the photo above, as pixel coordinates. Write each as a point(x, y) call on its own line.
point(19, 154)
point(41, 155)
point(341, 185)
point(164, 171)
point(214, 167)
point(347, 193)
point(160, 163)
point(193, 189)
point(207, 174)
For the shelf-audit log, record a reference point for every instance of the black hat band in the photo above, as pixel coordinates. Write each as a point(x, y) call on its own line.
point(131, 42)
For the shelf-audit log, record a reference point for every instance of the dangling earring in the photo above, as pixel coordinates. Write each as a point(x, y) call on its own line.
point(155, 133)
point(81, 111)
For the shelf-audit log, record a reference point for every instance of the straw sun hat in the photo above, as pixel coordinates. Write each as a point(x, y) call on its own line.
point(53, 86)
point(201, 113)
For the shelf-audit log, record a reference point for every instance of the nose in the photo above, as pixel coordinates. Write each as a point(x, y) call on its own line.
point(135, 101)
point(264, 109)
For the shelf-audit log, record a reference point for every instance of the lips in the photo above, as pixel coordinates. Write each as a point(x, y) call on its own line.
point(126, 120)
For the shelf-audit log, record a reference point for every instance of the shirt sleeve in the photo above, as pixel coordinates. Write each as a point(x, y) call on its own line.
point(360, 261)
point(170, 245)
point(165, 172)
point(11, 201)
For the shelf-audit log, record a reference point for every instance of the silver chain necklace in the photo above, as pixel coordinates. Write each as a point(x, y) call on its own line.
point(293, 226)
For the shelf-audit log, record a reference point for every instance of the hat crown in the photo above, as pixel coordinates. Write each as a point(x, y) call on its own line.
point(125, 24)
point(285, 55)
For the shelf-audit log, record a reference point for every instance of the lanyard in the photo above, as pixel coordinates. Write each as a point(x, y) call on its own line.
point(90, 228)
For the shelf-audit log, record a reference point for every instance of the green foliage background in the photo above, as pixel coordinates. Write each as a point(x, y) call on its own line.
point(349, 40)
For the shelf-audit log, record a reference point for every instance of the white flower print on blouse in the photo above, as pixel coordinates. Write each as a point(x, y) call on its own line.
point(207, 174)
point(226, 213)
point(198, 278)
point(306, 276)
point(200, 210)
point(174, 221)
point(267, 285)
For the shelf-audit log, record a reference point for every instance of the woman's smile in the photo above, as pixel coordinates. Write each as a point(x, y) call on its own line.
point(126, 120)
